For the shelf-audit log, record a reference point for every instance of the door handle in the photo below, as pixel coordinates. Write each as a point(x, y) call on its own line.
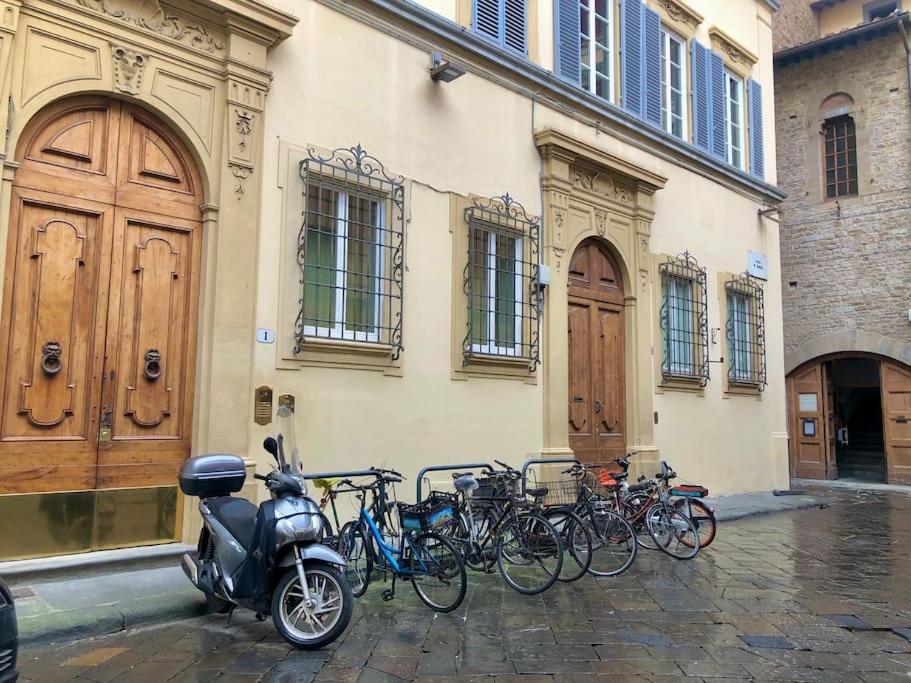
point(578, 399)
point(50, 358)
point(106, 431)
point(598, 406)
point(152, 369)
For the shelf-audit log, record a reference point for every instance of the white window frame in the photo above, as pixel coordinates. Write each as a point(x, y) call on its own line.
point(593, 73)
point(732, 134)
point(340, 329)
point(492, 348)
point(739, 311)
point(667, 90)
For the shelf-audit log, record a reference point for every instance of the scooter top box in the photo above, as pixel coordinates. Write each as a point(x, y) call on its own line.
point(207, 476)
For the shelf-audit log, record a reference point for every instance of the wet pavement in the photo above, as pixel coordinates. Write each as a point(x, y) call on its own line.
point(813, 595)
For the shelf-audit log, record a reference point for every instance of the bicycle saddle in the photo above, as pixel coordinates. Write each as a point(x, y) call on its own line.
point(537, 492)
point(465, 482)
point(459, 475)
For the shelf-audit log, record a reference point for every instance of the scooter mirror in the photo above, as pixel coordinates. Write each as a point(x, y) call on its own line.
point(271, 446)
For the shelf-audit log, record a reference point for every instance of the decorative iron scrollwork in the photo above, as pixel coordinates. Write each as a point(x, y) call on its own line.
point(51, 362)
point(152, 369)
point(684, 320)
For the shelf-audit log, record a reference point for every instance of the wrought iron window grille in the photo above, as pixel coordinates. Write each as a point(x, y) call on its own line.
point(684, 320)
point(351, 250)
point(502, 282)
point(746, 331)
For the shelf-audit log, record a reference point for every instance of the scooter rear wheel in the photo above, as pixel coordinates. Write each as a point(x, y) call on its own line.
point(329, 612)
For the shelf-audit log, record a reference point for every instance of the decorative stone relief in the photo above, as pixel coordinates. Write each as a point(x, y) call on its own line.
point(150, 15)
point(128, 69)
point(603, 185)
point(731, 50)
point(558, 257)
point(241, 173)
point(684, 15)
point(241, 159)
point(601, 220)
point(584, 179)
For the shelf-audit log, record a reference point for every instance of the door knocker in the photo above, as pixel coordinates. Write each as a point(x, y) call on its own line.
point(50, 358)
point(153, 364)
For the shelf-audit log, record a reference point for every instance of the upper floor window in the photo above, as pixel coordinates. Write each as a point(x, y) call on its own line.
point(745, 331)
point(673, 85)
point(840, 157)
point(879, 9)
point(501, 281)
point(350, 250)
point(596, 38)
point(502, 21)
point(733, 119)
point(684, 324)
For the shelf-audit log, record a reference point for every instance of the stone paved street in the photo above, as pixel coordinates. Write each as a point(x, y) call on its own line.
point(814, 595)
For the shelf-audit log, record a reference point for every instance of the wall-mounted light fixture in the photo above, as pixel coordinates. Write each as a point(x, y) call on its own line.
point(444, 70)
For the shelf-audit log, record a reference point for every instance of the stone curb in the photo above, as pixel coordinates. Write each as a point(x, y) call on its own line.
point(804, 504)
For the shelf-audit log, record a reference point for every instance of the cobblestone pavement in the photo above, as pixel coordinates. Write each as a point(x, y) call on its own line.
point(815, 595)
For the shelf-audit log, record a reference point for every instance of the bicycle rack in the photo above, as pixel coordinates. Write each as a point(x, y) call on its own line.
point(341, 475)
point(448, 468)
point(542, 461)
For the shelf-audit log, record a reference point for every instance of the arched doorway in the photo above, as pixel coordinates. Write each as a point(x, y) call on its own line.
point(849, 417)
point(597, 393)
point(99, 326)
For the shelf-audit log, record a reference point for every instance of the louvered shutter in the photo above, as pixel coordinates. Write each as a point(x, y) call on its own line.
point(700, 93)
point(487, 18)
point(757, 144)
point(631, 58)
point(652, 67)
point(567, 42)
point(716, 94)
point(514, 25)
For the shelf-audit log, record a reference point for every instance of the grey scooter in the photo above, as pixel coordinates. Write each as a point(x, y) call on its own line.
point(268, 558)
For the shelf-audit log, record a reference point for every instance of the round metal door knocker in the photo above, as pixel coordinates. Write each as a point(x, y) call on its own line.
point(51, 362)
point(153, 364)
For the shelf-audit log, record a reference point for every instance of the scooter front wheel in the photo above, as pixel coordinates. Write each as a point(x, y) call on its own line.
point(311, 624)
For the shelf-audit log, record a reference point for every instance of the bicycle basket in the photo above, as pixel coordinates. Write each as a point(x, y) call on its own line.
point(495, 488)
point(432, 513)
point(561, 492)
point(689, 491)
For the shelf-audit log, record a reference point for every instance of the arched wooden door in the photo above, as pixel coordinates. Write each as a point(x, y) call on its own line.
point(597, 392)
point(100, 302)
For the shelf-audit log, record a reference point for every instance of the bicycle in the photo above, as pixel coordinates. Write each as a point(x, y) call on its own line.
point(428, 560)
point(525, 546)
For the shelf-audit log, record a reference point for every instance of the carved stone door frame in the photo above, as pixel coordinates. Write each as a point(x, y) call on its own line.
point(202, 69)
point(589, 193)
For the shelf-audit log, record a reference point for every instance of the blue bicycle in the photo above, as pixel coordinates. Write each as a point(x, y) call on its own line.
point(415, 552)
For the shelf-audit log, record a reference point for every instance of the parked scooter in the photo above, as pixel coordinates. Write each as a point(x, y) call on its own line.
point(268, 559)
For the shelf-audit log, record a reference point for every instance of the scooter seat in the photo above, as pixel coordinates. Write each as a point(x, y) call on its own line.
point(238, 515)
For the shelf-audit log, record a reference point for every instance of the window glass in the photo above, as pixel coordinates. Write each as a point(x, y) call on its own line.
point(496, 304)
point(596, 43)
point(840, 152)
point(673, 89)
point(733, 93)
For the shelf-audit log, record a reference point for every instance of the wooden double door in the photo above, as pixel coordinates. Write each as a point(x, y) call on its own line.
point(812, 428)
point(99, 317)
point(597, 388)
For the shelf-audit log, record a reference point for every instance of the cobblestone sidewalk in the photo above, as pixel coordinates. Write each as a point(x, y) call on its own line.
point(813, 595)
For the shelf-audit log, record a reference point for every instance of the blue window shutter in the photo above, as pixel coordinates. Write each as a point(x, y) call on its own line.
point(757, 145)
point(514, 25)
point(699, 56)
point(631, 58)
point(566, 39)
point(487, 18)
point(652, 67)
point(716, 92)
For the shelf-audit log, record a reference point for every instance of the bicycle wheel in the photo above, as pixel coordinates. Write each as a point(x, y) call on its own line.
point(352, 545)
point(673, 532)
point(614, 542)
point(529, 553)
point(633, 507)
point(702, 517)
point(437, 571)
point(577, 543)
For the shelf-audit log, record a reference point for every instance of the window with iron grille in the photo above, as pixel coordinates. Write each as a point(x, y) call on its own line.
point(745, 331)
point(351, 250)
point(840, 157)
point(501, 282)
point(684, 323)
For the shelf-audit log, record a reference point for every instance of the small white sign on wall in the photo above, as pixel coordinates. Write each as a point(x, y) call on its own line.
point(265, 336)
point(757, 265)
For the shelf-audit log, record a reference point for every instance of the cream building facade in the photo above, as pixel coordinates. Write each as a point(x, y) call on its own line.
point(231, 205)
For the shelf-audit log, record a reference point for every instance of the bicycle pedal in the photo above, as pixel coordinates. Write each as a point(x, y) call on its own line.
point(388, 595)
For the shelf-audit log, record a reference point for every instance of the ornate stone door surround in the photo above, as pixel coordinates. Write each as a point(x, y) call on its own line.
point(590, 193)
point(200, 65)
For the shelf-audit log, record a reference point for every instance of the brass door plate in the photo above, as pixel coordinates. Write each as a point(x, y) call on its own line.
point(286, 400)
point(262, 405)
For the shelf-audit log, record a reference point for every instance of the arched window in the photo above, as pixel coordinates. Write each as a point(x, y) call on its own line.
point(839, 147)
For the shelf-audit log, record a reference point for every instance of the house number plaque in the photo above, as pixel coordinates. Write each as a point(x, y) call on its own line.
point(262, 405)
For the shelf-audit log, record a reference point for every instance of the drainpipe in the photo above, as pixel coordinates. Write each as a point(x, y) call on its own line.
point(904, 32)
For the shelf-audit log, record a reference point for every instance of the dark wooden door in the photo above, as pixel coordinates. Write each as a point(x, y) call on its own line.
point(809, 417)
point(99, 323)
point(896, 397)
point(597, 393)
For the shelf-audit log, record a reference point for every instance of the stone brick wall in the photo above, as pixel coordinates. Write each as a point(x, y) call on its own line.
point(794, 24)
point(846, 265)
